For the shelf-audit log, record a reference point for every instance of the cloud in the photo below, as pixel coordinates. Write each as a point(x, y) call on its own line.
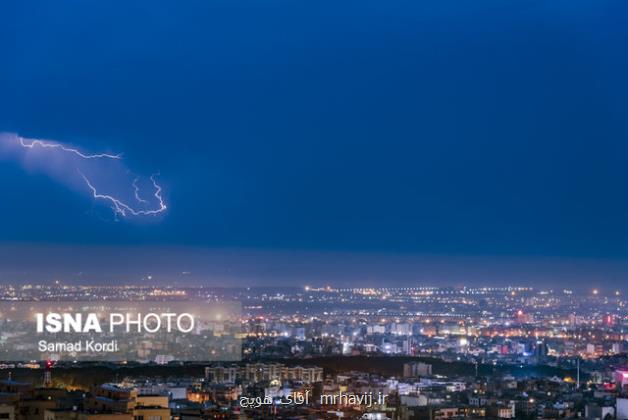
point(101, 176)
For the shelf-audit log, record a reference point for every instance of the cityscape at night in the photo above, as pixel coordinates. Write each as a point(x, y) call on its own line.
point(434, 352)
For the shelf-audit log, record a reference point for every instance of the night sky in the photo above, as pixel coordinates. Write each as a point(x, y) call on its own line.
point(433, 141)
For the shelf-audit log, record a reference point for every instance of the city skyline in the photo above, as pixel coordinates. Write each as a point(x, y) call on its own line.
point(189, 266)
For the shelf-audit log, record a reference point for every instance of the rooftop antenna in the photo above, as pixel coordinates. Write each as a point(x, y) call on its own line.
point(48, 374)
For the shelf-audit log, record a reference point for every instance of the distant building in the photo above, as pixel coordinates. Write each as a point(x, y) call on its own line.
point(163, 359)
point(622, 408)
point(58, 414)
point(13, 387)
point(596, 411)
point(540, 350)
point(151, 413)
point(258, 372)
point(617, 348)
point(523, 317)
point(595, 349)
point(501, 411)
point(401, 329)
point(609, 320)
point(414, 369)
point(375, 329)
point(221, 374)
point(621, 378)
point(7, 412)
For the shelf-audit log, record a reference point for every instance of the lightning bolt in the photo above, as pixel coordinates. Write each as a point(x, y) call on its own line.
point(50, 145)
point(119, 207)
point(123, 209)
point(136, 191)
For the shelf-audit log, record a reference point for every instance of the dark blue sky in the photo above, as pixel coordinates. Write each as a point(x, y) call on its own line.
point(469, 128)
